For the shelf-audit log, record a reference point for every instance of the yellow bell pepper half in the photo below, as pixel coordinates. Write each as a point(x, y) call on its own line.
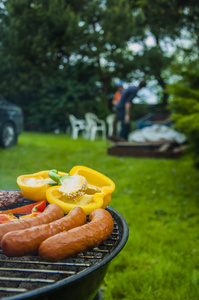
point(97, 194)
point(34, 186)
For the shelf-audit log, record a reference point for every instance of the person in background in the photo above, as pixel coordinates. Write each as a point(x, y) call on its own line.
point(123, 108)
point(118, 93)
point(115, 100)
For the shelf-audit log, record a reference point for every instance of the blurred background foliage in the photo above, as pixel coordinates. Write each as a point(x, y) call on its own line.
point(60, 57)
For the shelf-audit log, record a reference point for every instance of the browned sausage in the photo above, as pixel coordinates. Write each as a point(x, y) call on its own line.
point(79, 239)
point(51, 213)
point(27, 241)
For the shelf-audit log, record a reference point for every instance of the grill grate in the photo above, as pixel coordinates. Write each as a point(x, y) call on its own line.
point(28, 273)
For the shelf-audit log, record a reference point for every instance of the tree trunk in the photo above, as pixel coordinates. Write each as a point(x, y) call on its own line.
point(165, 95)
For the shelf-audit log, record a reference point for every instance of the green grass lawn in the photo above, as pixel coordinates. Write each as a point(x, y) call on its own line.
point(157, 197)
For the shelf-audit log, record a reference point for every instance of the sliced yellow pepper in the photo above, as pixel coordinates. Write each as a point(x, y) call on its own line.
point(97, 193)
point(34, 186)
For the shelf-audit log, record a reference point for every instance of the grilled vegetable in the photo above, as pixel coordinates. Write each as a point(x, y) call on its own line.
point(73, 187)
point(34, 214)
point(5, 218)
point(39, 207)
point(27, 209)
point(34, 186)
point(90, 193)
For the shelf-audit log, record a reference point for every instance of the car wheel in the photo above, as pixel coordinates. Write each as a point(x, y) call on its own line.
point(8, 136)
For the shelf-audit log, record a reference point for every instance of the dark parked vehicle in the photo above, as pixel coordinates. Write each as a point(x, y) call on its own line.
point(11, 123)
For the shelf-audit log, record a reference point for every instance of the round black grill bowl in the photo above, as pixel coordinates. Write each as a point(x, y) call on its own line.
point(85, 282)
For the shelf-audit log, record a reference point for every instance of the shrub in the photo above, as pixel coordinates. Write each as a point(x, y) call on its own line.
point(185, 113)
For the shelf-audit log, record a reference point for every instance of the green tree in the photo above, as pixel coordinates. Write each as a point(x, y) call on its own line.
point(166, 22)
point(47, 45)
point(184, 104)
point(57, 53)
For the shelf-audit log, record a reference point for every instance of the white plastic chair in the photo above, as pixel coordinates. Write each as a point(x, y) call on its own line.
point(94, 125)
point(109, 120)
point(77, 126)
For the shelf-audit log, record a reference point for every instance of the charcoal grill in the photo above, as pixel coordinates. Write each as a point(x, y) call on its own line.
point(76, 278)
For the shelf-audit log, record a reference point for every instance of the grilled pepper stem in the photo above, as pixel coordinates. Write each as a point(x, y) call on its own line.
point(53, 174)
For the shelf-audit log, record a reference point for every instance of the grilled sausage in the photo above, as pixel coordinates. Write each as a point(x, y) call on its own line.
point(51, 213)
point(27, 241)
point(79, 239)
